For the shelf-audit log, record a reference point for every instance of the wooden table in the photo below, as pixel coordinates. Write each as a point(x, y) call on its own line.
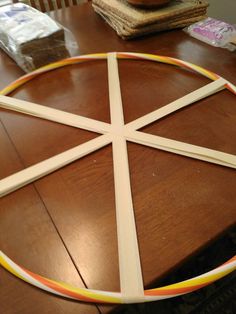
point(63, 226)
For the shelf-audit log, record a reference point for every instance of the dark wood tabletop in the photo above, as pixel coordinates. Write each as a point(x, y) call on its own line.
point(63, 226)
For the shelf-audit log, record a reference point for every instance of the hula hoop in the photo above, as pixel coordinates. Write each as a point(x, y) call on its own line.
point(97, 296)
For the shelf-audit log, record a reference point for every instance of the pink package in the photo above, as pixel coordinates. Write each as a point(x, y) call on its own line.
point(214, 32)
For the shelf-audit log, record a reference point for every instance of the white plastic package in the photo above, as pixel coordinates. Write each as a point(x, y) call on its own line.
point(213, 32)
point(31, 37)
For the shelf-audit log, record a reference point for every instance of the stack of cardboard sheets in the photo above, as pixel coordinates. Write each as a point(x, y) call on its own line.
point(130, 22)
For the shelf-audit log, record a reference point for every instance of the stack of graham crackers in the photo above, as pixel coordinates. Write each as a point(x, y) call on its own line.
point(130, 22)
point(30, 37)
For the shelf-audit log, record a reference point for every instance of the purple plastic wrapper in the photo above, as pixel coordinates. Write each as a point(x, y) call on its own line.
point(213, 32)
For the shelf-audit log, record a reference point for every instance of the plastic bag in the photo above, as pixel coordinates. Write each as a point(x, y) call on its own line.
point(32, 38)
point(213, 32)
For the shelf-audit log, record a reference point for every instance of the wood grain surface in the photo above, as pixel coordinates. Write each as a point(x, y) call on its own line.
point(63, 226)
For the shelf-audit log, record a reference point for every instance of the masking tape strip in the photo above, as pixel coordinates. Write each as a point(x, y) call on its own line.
point(184, 149)
point(180, 103)
point(41, 169)
point(52, 114)
point(131, 281)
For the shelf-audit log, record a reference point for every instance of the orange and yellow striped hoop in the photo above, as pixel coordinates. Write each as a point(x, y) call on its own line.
point(89, 295)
